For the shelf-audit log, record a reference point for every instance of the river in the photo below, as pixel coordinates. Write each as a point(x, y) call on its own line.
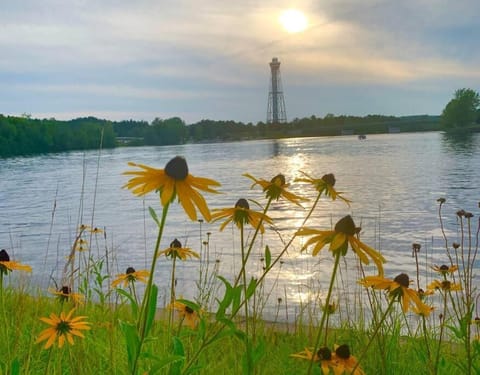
point(394, 181)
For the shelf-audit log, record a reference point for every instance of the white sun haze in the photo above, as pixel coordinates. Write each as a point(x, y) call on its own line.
point(293, 20)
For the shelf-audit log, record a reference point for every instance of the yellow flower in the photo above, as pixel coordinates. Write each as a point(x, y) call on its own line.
point(324, 185)
point(186, 313)
point(276, 188)
point(323, 356)
point(63, 327)
point(444, 269)
point(81, 245)
point(445, 285)
point(398, 289)
point(345, 362)
point(7, 265)
point(130, 276)
point(65, 293)
point(177, 251)
point(96, 230)
point(343, 234)
point(173, 181)
point(241, 214)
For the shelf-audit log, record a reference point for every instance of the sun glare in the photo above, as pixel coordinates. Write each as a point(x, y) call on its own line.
point(293, 21)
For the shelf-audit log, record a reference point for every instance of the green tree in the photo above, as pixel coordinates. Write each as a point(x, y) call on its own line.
point(462, 110)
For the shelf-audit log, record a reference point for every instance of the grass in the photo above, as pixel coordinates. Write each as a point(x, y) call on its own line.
point(385, 326)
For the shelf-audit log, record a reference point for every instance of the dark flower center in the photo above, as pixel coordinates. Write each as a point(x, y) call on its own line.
point(177, 168)
point(346, 225)
point(279, 179)
point(446, 285)
point(416, 247)
point(176, 244)
point(403, 280)
point(188, 310)
point(343, 351)
point(4, 256)
point(63, 327)
point(242, 203)
point(65, 290)
point(324, 354)
point(329, 179)
point(444, 267)
point(455, 245)
point(130, 270)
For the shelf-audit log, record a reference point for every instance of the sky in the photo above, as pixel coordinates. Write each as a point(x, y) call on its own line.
point(209, 59)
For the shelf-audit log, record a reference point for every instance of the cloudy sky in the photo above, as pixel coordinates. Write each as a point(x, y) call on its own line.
point(208, 59)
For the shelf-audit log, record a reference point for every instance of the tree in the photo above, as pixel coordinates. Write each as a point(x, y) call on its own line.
point(462, 110)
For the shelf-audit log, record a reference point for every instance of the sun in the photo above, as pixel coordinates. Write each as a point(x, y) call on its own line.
point(293, 20)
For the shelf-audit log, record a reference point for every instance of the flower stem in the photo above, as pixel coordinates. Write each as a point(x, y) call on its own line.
point(377, 328)
point(142, 318)
point(325, 313)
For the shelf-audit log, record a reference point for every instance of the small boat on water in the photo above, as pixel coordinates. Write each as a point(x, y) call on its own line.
point(362, 137)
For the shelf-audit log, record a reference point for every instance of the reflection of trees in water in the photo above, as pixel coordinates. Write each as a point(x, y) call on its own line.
point(460, 142)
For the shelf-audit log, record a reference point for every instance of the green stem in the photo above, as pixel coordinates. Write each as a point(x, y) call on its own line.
point(442, 328)
point(172, 294)
point(250, 247)
point(338, 254)
point(142, 318)
point(377, 328)
point(243, 275)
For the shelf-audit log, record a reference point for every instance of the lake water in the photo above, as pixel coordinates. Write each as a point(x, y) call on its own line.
point(394, 181)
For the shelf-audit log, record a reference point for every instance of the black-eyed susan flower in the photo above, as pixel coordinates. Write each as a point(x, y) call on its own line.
point(241, 215)
point(345, 363)
point(444, 285)
point(7, 265)
point(65, 294)
point(188, 315)
point(324, 185)
point(177, 251)
point(81, 245)
point(96, 230)
point(173, 181)
point(130, 276)
point(398, 290)
point(323, 357)
point(63, 328)
point(343, 234)
point(444, 269)
point(276, 188)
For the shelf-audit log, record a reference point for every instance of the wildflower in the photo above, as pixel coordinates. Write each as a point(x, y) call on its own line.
point(96, 230)
point(130, 276)
point(416, 247)
point(7, 265)
point(173, 181)
point(276, 188)
point(323, 356)
point(398, 289)
point(345, 362)
point(65, 293)
point(63, 327)
point(424, 293)
point(81, 245)
point(187, 314)
point(177, 251)
point(455, 245)
point(444, 269)
point(423, 311)
point(83, 227)
point(241, 214)
point(339, 238)
point(324, 185)
point(445, 285)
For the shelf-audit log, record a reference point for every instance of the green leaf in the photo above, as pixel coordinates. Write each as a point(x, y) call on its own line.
point(133, 342)
point(15, 367)
point(252, 286)
point(152, 308)
point(154, 216)
point(268, 257)
point(164, 362)
point(178, 350)
point(224, 304)
point(133, 303)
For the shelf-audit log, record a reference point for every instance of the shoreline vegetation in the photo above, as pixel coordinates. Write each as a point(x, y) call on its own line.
point(23, 135)
point(101, 323)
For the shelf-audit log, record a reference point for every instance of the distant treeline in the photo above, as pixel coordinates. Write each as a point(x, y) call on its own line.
point(26, 136)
